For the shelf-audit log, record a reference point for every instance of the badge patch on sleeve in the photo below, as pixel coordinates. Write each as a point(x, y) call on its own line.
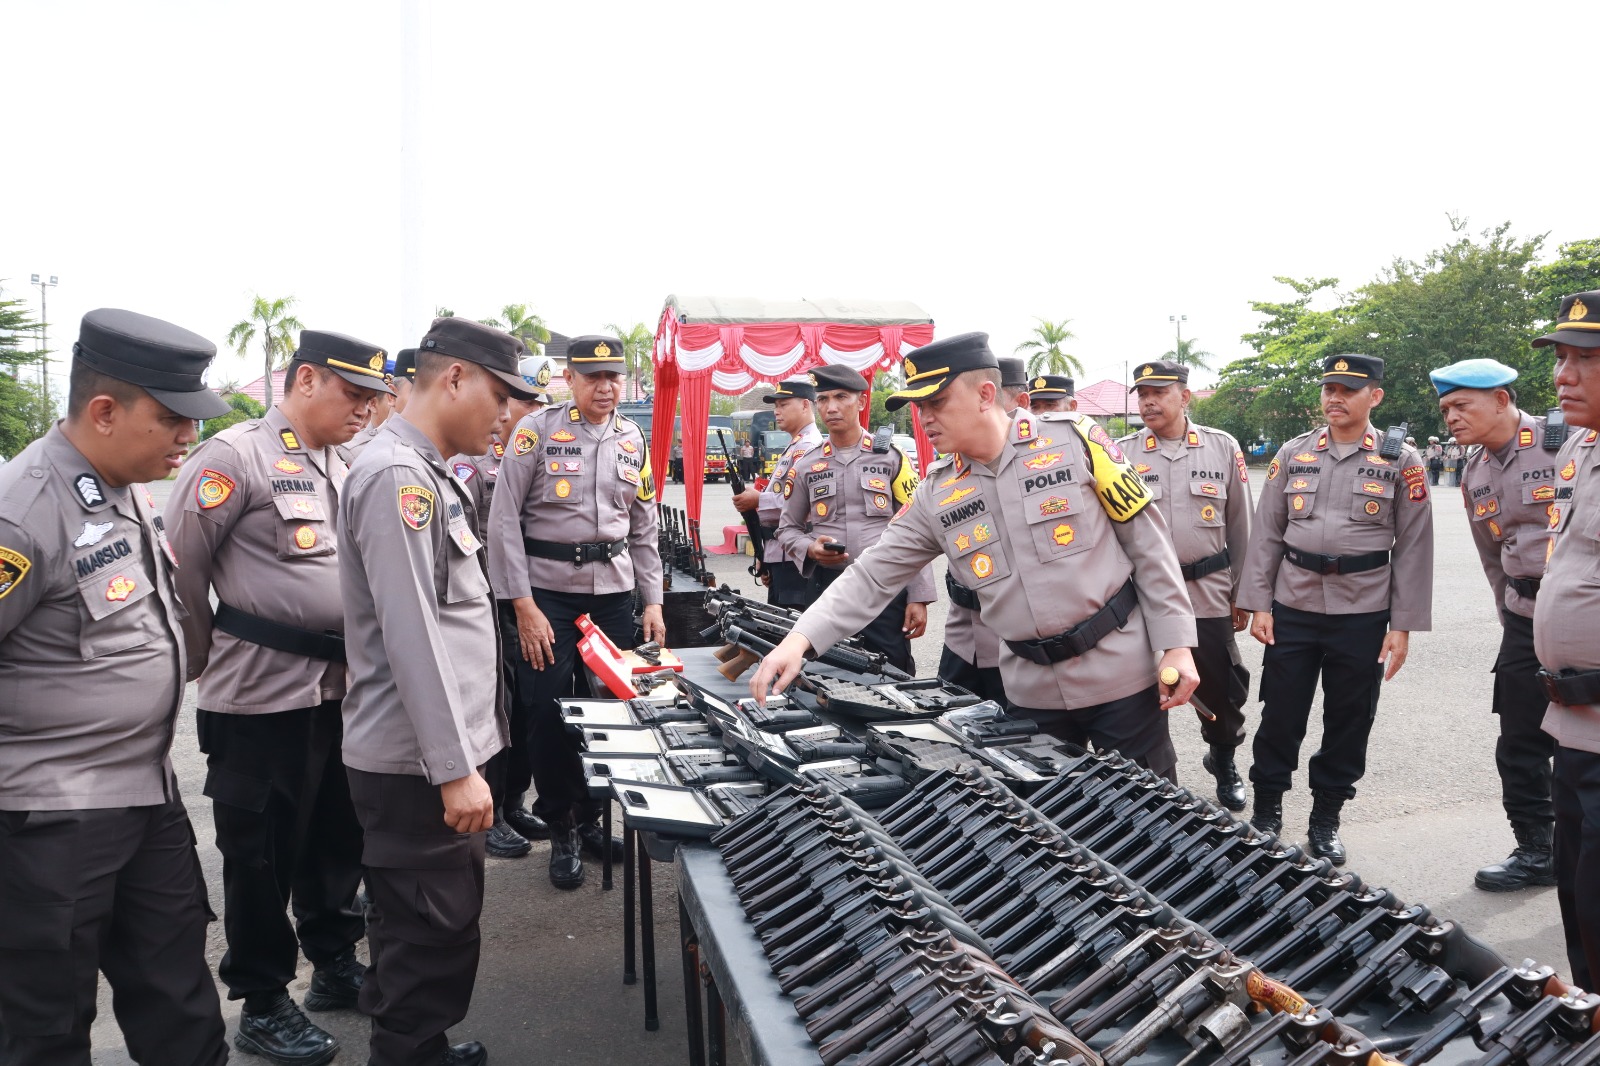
point(416, 506)
point(1244, 472)
point(213, 489)
point(524, 441)
point(14, 566)
point(464, 471)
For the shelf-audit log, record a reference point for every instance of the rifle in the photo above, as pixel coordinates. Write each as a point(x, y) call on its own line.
point(752, 519)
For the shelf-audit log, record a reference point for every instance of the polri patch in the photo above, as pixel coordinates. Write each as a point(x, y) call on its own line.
point(14, 566)
point(524, 441)
point(416, 506)
point(213, 489)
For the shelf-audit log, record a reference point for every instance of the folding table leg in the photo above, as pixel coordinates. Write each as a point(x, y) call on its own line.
point(690, 943)
point(628, 976)
point(605, 834)
point(647, 933)
point(717, 1023)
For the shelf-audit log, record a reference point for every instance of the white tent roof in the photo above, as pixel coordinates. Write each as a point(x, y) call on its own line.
point(727, 310)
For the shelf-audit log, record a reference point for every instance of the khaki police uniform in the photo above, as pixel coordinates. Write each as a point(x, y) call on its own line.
point(479, 474)
point(255, 513)
point(850, 494)
point(570, 488)
point(787, 586)
point(1201, 485)
point(98, 858)
point(352, 447)
point(1055, 534)
point(424, 708)
point(1364, 525)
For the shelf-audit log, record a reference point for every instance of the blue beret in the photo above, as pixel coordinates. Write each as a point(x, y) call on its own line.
point(1472, 374)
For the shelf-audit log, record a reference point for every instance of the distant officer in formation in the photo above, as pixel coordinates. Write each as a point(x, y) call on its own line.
point(424, 712)
point(479, 472)
point(1510, 493)
point(1197, 477)
point(844, 493)
point(1434, 456)
point(1052, 392)
point(255, 515)
point(573, 527)
point(1045, 520)
point(1565, 618)
point(971, 655)
point(97, 856)
point(1339, 574)
point(794, 409)
point(391, 403)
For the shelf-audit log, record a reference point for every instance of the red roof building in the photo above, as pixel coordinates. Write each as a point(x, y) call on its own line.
point(1106, 399)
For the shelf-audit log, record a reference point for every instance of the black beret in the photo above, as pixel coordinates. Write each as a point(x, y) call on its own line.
point(1013, 372)
point(595, 353)
point(833, 376)
point(794, 388)
point(166, 361)
point(1578, 322)
point(1159, 372)
point(405, 364)
point(357, 361)
point(1355, 371)
point(1047, 384)
point(493, 349)
point(932, 367)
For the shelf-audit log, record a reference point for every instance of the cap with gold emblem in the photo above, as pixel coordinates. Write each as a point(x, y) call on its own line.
point(1052, 385)
point(537, 371)
point(792, 389)
point(1013, 373)
point(1578, 323)
point(931, 368)
point(167, 361)
point(1352, 371)
point(405, 365)
point(1159, 372)
point(832, 376)
point(493, 349)
point(596, 354)
point(357, 361)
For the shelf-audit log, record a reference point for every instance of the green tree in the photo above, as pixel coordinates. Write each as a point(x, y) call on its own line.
point(1188, 353)
point(637, 345)
point(25, 412)
point(443, 312)
point(723, 404)
point(1045, 355)
point(273, 323)
point(244, 409)
point(885, 384)
point(520, 321)
point(1576, 269)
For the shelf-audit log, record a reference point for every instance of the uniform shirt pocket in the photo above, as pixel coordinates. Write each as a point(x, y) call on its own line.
point(876, 490)
point(1208, 500)
point(1372, 500)
point(303, 527)
point(111, 619)
point(1300, 497)
point(466, 580)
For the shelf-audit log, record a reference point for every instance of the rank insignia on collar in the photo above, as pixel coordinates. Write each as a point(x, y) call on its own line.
point(1194, 439)
point(290, 441)
point(416, 506)
point(213, 489)
point(563, 436)
point(1150, 442)
point(1525, 437)
point(1369, 442)
point(1322, 441)
point(827, 449)
point(573, 415)
point(524, 441)
point(1588, 438)
point(14, 566)
point(1024, 429)
point(87, 486)
point(499, 450)
point(120, 588)
point(288, 466)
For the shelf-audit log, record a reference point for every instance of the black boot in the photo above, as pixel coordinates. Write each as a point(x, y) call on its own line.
point(275, 1029)
point(1322, 837)
point(505, 842)
point(1268, 815)
point(1230, 787)
point(336, 985)
point(1531, 865)
point(566, 856)
point(524, 821)
point(471, 1053)
point(594, 841)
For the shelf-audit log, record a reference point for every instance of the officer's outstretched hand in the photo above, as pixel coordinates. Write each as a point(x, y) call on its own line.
point(538, 639)
point(468, 804)
point(1393, 653)
point(654, 628)
point(1181, 660)
point(826, 558)
point(780, 667)
point(1261, 626)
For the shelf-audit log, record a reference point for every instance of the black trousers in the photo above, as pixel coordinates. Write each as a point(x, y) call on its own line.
point(788, 587)
point(1523, 751)
point(885, 633)
point(119, 892)
point(288, 836)
point(1134, 725)
point(426, 884)
point(552, 750)
point(1577, 808)
point(508, 772)
point(1343, 650)
point(1224, 682)
point(982, 681)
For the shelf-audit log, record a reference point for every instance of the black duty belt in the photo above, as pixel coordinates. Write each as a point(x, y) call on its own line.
point(960, 595)
point(1209, 565)
point(576, 554)
point(278, 636)
point(1083, 636)
point(1571, 688)
point(1527, 587)
point(1318, 563)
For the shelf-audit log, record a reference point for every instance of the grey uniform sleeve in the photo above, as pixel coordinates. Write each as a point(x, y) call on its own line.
point(792, 535)
point(197, 535)
point(868, 584)
point(400, 573)
point(1411, 562)
point(1168, 617)
point(1265, 554)
point(1489, 555)
point(508, 560)
point(644, 546)
point(23, 593)
point(1237, 517)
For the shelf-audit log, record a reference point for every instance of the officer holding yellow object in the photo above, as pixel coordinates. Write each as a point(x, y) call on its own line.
point(838, 499)
point(1045, 520)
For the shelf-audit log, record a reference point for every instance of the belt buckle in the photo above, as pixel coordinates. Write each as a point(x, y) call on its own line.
point(1330, 565)
point(1548, 681)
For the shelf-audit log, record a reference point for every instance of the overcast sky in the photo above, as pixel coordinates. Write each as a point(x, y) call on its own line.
point(1111, 164)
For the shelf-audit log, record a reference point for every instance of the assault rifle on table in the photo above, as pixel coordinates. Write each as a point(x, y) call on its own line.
point(752, 629)
point(752, 519)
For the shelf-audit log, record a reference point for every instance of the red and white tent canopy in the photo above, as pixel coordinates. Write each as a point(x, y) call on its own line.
point(731, 344)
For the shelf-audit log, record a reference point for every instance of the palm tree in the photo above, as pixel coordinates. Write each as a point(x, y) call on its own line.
point(1187, 354)
point(1045, 346)
point(520, 321)
point(637, 345)
point(271, 321)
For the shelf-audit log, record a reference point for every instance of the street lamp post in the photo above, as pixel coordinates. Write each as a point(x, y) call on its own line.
point(1177, 349)
point(44, 337)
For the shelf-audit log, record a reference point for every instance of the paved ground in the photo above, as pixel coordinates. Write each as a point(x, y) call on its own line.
point(550, 988)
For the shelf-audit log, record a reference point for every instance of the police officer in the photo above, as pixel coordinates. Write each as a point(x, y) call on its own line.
point(1052, 392)
point(1565, 615)
point(573, 524)
point(1509, 493)
point(254, 514)
point(971, 655)
point(97, 856)
point(424, 710)
point(1045, 520)
point(843, 493)
point(794, 410)
point(393, 403)
point(1339, 574)
point(479, 473)
point(1197, 477)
